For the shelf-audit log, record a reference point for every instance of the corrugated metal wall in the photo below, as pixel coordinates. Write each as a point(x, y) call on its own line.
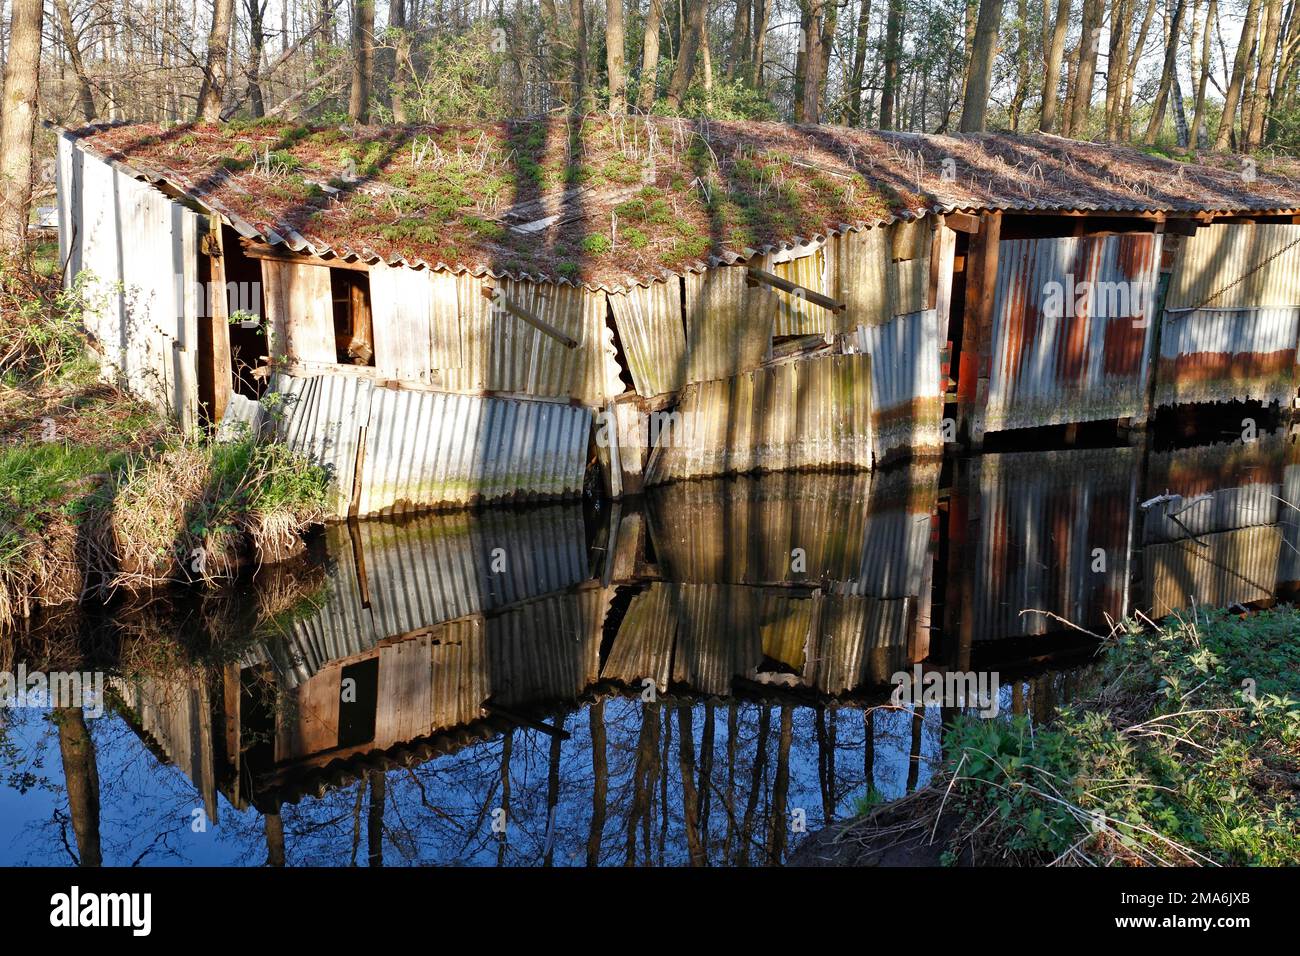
point(807, 414)
point(906, 382)
point(430, 449)
point(1214, 570)
point(424, 449)
point(728, 324)
point(1223, 355)
point(1237, 266)
point(795, 315)
point(1051, 367)
point(880, 273)
point(140, 251)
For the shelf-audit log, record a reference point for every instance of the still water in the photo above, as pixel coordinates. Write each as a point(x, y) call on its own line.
point(697, 677)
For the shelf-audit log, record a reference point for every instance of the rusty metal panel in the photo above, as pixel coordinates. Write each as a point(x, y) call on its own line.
point(650, 326)
point(794, 314)
point(814, 413)
point(728, 324)
point(1214, 570)
point(300, 311)
point(137, 253)
point(1063, 351)
point(906, 382)
point(1223, 355)
point(432, 449)
point(441, 567)
point(1237, 266)
point(1055, 533)
point(320, 417)
point(1289, 514)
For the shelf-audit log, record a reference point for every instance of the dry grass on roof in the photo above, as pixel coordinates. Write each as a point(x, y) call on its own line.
point(618, 201)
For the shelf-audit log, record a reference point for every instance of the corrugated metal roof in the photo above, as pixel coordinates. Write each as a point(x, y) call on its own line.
point(1053, 362)
point(907, 176)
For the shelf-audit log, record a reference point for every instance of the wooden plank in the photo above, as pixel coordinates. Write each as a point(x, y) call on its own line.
point(405, 692)
point(402, 299)
point(754, 276)
point(300, 311)
point(962, 222)
point(525, 316)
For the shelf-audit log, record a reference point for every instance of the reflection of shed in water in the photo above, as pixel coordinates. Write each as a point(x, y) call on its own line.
point(1049, 532)
point(1216, 538)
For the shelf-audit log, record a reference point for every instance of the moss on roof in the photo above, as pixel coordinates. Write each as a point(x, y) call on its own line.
point(616, 201)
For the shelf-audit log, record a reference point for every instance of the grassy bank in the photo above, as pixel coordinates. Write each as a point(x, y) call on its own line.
point(99, 491)
point(1187, 754)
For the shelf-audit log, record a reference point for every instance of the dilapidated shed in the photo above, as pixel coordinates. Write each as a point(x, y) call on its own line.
point(463, 313)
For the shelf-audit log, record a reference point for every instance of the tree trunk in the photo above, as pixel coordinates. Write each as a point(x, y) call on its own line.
point(85, 94)
point(859, 62)
point(1232, 98)
point(1264, 80)
point(760, 43)
point(81, 778)
point(1134, 58)
point(1052, 79)
point(401, 59)
point(1116, 67)
point(739, 56)
point(1089, 39)
point(975, 107)
point(1199, 136)
point(650, 56)
point(256, 45)
point(273, 828)
point(213, 88)
point(375, 818)
point(692, 28)
point(363, 61)
point(1022, 63)
point(1167, 74)
point(893, 47)
point(581, 82)
point(614, 57)
point(18, 122)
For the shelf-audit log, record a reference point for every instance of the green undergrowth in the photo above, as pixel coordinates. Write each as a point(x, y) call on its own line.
point(1189, 754)
point(98, 490)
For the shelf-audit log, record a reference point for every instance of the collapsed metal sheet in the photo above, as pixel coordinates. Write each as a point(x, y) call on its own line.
point(650, 326)
point(432, 449)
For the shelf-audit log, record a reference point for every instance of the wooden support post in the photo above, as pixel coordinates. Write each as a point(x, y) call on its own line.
point(754, 276)
point(973, 373)
point(498, 298)
point(220, 368)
